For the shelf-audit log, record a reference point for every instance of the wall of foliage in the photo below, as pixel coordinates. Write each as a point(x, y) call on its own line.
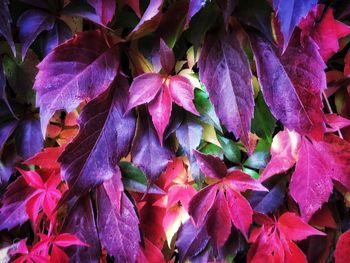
point(174, 131)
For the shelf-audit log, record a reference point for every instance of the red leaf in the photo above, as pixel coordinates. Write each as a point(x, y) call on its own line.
point(341, 253)
point(324, 30)
point(160, 110)
point(32, 178)
point(81, 68)
point(241, 182)
point(47, 158)
point(240, 211)
point(294, 228)
point(336, 122)
point(210, 165)
point(219, 222)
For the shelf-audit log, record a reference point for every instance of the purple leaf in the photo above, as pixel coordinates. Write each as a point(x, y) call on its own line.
point(144, 88)
point(5, 24)
point(83, 9)
point(118, 229)
point(210, 165)
point(149, 20)
point(81, 222)
point(292, 84)
point(146, 142)
point(289, 14)
point(195, 6)
point(79, 69)
point(105, 9)
point(3, 96)
point(227, 7)
point(56, 36)
point(224, 69)
point(191, 240)
point(160, 110)
point(31, 23)
point(6, 129)
point(167, 57)
point(268, 202)
point(13, 211)
point(28, 138)
point(102, 141)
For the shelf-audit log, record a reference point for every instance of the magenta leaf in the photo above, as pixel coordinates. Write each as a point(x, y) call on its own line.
point(5, 24)
point(210, 165)
point(145, 142)
point(118, 228)
point(160, 110)
point(144, 89)
point(105, 9)
point(224, 70)
point(102, 141)
point(31, 23)
point(66, 78)
point(81, 222)
point(289, 15)
point(181, 90)
point(292, 83)
point(311, 184)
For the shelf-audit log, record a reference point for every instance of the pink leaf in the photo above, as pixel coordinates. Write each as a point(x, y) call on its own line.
point(242, 182)
point(66, 240)
point(143, 89)
point(105, 9)
point(182, 93)
point(167, 58)
point(160, 110)
point(32, 178)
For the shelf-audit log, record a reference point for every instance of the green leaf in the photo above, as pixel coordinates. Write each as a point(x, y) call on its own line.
point(213, 149)
point(251, 172)
point(263, 123)
point(257, 160)
point(231, 150)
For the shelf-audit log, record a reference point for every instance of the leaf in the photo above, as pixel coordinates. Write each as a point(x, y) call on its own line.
point(284, 153)
point(5, 24)
point(31, 23)
point(102, 141)
point(160, 110)
point(268, 202)
point(341, 251)
point(231, 150)
point(191, 240)
point(83, 9)
point(324, 30)
point(211, 165)
point(311, 184)
point(219, 222)
point(105, 9)
point(263, 123)
point(59, 34)
point(145, 142)
point(80, 222)
point(336, 122)
point(81, 68)
point(257, 160)
point(6, 129)
point(28, 138)
point(149, 20)
point(167, 57)
point(224, 70)
point(118, 228)
point(47, 158)
point(292, 83)
point(289, 14)
point(12, 212)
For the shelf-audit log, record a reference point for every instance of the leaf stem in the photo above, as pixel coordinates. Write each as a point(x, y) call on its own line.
point(329, 108)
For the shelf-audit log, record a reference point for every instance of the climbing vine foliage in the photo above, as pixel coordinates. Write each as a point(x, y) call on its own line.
point(174, 131)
